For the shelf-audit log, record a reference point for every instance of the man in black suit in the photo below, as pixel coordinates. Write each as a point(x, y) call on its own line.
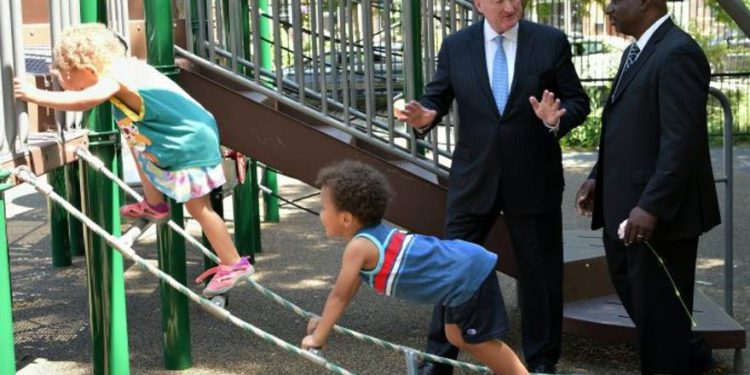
point(507, 159)
point(654, 170)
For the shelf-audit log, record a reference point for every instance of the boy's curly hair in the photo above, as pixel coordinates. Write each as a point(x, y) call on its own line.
point(84, 46)
point(357, 188)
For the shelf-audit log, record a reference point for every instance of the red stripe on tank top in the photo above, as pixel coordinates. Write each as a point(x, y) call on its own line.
point(391, 253)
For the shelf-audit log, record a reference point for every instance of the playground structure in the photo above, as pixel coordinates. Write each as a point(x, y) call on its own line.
point(321, 120)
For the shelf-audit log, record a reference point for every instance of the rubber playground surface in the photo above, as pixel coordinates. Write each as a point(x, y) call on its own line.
point(299, 263)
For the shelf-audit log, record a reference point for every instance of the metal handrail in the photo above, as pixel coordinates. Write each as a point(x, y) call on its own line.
point(728, 181)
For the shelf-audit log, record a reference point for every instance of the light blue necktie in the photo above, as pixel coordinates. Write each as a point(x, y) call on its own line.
point(500, 75)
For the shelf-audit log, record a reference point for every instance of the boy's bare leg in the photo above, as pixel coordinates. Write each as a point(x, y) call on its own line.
point(495, 354)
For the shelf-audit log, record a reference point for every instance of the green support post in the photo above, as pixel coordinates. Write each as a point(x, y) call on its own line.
point(7, 351)
point(269, 180)
point(58, 221)
point(175, 317)
point(75, 227)
point(246, 197)
point(106, 286)
point(247, 213)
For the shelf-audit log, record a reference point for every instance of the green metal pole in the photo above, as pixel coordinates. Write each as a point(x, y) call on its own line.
point(174, 305)
point(75, 227)
point(175, 317)
point(416, 27)
point(246, 197)
point(58, 221)
point(269, 179)
point(108, 317)
point(247, 213)
point(7, 352)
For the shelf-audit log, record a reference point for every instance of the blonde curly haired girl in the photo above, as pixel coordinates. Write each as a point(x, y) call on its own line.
point(174, 140)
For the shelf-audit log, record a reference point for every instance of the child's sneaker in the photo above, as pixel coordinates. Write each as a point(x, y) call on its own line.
point(226, 277)
point(158, 214)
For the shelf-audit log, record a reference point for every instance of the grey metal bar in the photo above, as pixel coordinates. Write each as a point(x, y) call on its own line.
point(389, 70)
point(313, 35)
point(55, 26)
point(256, 38)
point(125, 19)
point(221, 35)
point(22, 117)
point(352, 58)
point(189, 27)
point(368, 62)
point(728, 201)
point(345, 60)
point(64, 14)
point(76, 11)
point(409, 63)
point(201, 28)
point(430, 40)
point(322, 59)
point(277, 46)
point(235, 32)
point(334, 51)
point(6, 66)
point(299, 68)
point(211, 30)
point(5, 85)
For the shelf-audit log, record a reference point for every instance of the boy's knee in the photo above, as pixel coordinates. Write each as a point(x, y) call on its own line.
point(454, 337)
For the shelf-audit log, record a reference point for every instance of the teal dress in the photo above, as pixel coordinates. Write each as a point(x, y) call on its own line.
point(174, 139)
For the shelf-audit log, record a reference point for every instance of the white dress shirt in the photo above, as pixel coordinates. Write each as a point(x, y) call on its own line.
point(643, 40)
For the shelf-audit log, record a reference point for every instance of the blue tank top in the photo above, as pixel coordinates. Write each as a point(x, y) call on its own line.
point(425, 269)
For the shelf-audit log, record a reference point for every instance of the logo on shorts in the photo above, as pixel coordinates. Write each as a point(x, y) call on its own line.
point(471, 331)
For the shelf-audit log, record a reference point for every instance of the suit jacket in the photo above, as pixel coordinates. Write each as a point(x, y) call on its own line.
point(512, 154)
point(653, 151)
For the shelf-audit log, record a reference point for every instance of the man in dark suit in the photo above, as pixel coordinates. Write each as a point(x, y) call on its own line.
point(654, 170)
point(507, 159)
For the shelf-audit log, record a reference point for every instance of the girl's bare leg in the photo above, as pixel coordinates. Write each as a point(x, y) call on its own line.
point(215, 229)
point(153, 195)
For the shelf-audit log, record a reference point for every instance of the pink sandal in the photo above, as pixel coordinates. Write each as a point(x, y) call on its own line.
point(158, 214)
point(225, 277)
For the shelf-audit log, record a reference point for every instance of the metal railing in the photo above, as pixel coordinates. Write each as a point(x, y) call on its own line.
point(348, 62)
point(12, 111)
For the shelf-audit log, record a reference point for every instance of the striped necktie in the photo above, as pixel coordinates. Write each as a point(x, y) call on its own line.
point(633, 53)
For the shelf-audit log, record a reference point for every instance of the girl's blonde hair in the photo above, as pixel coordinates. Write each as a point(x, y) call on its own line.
point(87, 46)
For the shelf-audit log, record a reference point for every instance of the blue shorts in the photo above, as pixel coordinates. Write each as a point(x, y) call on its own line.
point(483, 317)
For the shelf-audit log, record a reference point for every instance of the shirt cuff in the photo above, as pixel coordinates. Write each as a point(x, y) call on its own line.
point(422, 129)
point(552, 128)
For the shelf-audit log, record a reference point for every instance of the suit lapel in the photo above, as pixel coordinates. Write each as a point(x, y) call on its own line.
point(523, 48)
point(479, 62)
point(642, 58)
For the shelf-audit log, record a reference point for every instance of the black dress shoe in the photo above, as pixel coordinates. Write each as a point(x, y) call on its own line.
point(542, 369)
point(430, 368)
